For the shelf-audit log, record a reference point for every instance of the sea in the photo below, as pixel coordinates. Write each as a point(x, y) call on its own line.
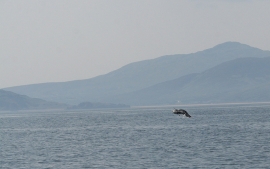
point(216, 136)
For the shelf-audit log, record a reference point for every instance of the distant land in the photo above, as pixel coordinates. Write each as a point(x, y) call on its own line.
point(12, 101)
point(239, 80)
point(90, 105)
point(228, 72)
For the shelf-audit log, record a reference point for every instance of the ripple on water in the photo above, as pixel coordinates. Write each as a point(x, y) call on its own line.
point(224, 137)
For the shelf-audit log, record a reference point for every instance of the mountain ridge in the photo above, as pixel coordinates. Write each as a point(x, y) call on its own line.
point(248, 79)
point(12, 101)
point(138, 75)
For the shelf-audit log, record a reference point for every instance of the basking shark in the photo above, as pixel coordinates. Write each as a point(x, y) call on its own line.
point(181, 111)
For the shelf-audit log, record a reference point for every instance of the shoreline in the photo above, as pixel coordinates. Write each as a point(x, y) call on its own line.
point(204, 104)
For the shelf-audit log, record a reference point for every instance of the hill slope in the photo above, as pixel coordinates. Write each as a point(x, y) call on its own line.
point(239, 80)
point(13, 101)
point(138, 75)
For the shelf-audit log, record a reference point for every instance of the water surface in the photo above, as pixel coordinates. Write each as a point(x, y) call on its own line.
point(214, 137)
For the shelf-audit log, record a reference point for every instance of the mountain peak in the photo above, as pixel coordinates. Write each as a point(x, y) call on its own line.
point(139, 75)
point(232, 46)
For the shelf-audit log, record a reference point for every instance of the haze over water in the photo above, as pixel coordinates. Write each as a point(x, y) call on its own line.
point(214, 137)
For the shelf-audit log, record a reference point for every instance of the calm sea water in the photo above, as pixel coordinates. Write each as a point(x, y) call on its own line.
point(215, 137)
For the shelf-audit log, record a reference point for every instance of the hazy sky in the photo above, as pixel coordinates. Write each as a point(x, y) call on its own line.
point(62, 40)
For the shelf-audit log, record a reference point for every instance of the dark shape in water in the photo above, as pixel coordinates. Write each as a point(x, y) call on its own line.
point(181, 111)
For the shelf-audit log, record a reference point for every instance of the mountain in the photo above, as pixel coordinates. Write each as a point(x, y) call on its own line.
point(239, 80)
point(13, 101)
point(138, 75)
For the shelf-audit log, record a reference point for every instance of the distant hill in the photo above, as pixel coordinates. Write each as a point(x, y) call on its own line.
point(13, 101)
point(239, 80)
point(139, 75)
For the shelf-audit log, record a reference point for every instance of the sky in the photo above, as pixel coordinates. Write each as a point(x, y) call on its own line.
point(56, 41)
